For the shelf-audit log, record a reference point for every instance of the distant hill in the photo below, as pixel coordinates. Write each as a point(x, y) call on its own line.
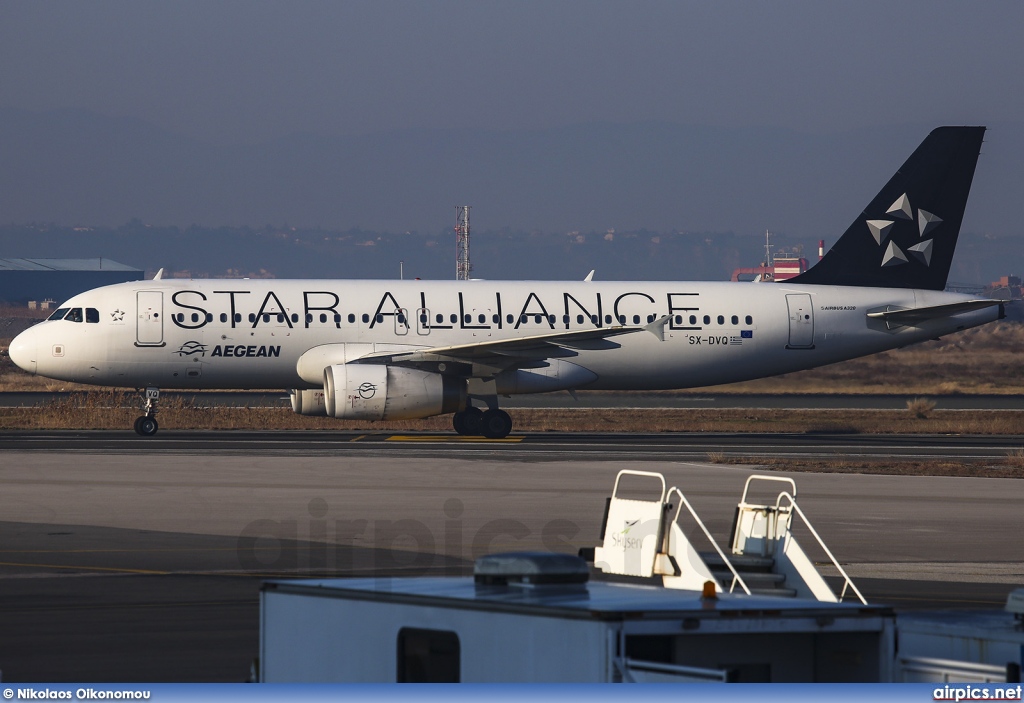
point(322, 253)
point(543, 201)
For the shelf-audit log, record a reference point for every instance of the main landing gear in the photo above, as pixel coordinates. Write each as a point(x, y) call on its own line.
point(146, 425)
point(492, 424)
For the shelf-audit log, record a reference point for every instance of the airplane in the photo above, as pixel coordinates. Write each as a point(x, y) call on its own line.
point(383, 350)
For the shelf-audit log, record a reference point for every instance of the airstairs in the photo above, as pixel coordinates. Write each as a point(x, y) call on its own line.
point(644, 538)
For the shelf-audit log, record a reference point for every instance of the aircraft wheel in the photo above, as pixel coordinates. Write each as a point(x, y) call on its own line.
point(496, 424)
point(468, 421)
point(146, 426)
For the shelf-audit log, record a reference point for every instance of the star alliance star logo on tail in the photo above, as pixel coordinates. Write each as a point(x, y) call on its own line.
point(882, 231)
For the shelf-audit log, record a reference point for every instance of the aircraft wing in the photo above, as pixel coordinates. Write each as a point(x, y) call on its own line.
point(913, 316)
point(506, 353)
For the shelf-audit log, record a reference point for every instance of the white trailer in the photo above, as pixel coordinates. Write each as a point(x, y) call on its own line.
point(532, 617)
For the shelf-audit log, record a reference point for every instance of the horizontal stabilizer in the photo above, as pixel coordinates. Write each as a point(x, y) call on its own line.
point(909, 318)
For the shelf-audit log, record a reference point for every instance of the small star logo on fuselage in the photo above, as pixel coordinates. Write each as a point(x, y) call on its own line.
point(117, 315)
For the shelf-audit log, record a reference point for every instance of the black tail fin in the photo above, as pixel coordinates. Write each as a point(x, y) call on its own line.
point(906, 237)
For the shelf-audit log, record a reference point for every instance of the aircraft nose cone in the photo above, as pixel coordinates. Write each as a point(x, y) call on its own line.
point(23, 351)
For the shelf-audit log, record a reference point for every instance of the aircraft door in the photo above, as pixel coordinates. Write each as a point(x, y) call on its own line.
point(422, 321)
point(401, 321)
point(801, 321)
point(149, 329)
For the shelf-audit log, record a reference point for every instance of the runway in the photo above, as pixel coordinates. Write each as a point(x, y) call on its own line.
point(540, 446)
point(131, 560)
point(598, 399)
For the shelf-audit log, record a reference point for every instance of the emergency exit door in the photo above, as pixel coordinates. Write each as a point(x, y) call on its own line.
point(801, 321)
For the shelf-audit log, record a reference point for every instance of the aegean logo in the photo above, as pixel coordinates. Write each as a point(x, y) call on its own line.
point(367, 390)
point(191, 348)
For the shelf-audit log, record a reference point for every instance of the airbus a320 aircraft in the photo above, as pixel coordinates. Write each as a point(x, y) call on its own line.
point(381, 350)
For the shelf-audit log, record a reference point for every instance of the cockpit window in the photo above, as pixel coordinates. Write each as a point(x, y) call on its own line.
point(92, 315)
point(74, 315)
point(58, 314)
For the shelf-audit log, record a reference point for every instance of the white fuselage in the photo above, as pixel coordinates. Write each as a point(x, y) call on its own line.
point(251, 333)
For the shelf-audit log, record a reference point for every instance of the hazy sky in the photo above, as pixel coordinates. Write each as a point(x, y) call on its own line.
point(247, 71)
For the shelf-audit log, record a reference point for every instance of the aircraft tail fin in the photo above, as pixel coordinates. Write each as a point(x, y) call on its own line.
point(906, 237)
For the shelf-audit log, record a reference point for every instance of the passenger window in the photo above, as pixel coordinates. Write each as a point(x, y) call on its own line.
point(454, 318)
point(636, 319)
point(439, 318)
point(467, 319)
point(481, 319)
point(594, 320)
point(495, 319)
point(337, 318)
point(401, 319)
point(607, 319)
point(524, 320)
point(351, 317)
point(92, 315)
point(679, 319)
point(295, 317)
point(693, 319)
point(509, 319)
point(280, 318)
point(365, 318)
point(252, 317)
point(721, 319)
point(735, 320)
point(423, 319)
point(380, 318)
point(707, 319)
point(223, 317)
point(536, 319)
point(323, 317)
point(622, 319)
point(749, 320)
point(579, 319)
point(74, 315)
point(238, 317)
point(195, 317)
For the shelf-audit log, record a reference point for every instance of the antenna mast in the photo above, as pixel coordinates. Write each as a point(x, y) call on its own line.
point(462, 265)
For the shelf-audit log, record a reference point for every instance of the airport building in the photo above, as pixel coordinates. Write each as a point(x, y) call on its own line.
point(38, 280)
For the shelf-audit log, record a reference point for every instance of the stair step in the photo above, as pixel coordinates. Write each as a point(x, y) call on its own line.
point(751, 578)
point(740, 562)
point(780, 592)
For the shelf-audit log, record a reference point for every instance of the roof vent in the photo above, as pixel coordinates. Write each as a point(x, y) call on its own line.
point(530, 569)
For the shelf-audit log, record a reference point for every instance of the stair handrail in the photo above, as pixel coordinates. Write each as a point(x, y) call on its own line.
point(848, 582)
point(682, 501)
point(760, 477)
point(634, 472)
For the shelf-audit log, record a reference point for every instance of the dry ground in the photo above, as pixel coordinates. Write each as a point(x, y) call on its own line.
point(979, 361)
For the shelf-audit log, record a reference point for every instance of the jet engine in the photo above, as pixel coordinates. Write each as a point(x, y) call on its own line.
point(309, 402)
point(381, 392)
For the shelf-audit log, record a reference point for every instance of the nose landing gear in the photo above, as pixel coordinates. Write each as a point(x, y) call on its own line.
point(146, 425)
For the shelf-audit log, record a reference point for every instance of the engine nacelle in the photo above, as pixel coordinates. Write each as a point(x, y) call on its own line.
point(309, 402)
point(380, 392)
